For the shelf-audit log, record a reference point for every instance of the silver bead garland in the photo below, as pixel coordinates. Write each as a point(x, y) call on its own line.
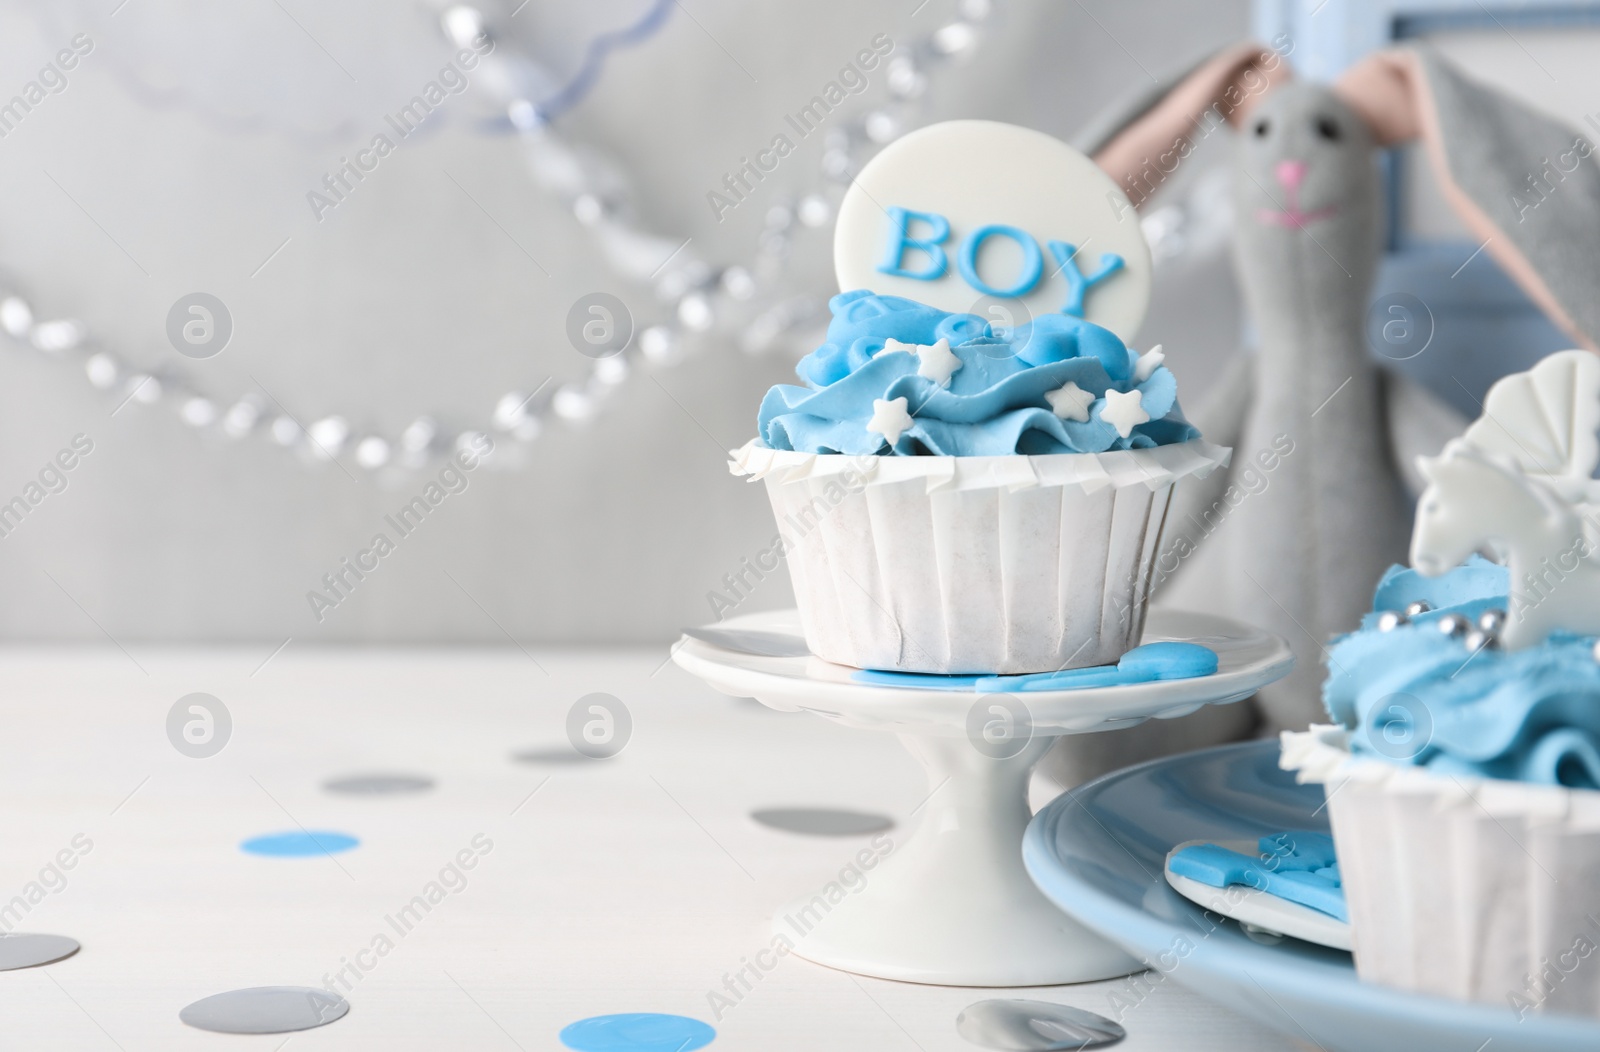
point(744, 300)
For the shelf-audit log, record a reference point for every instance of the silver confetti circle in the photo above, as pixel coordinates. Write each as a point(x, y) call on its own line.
point(1035, 1026)
point(378, 784)
point(25, 950)
point(265, 1010)
point(822, 821)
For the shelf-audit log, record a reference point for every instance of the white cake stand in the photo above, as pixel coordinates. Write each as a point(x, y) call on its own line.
point(952, 905)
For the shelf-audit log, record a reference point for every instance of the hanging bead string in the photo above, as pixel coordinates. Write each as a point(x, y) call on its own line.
point(744, 301)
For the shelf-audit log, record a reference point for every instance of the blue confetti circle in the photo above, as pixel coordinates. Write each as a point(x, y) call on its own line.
point(299, 844)
point(637, 1032)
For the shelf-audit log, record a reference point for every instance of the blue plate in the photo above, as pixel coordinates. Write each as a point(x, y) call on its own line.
point(1098, 853)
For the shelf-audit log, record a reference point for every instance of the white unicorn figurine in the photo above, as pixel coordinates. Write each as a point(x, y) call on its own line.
point(1475, 498)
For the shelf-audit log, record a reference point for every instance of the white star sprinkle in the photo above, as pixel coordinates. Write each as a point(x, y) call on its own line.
point(1148, 363)
point(1070, 402)
point(934, 362)
point(890, 419)
point(1124, 411)
point(937, 362)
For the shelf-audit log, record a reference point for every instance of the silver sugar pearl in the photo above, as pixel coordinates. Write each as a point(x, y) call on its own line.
point(1476, 640)
point(1596, 651)
point(1390, 620)
point(1418, 608)
point(1453, 625)
point(1492, 621)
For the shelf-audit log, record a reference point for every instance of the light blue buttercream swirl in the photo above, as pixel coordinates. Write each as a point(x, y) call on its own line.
point(993, 405)
point(1413, 695)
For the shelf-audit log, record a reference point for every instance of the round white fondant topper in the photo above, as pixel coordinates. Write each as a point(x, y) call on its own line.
point(995, 220)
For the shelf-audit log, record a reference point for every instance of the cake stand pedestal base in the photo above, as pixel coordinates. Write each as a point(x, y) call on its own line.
point(952, 905)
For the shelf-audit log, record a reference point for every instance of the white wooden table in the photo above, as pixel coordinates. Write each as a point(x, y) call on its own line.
point(627, 885)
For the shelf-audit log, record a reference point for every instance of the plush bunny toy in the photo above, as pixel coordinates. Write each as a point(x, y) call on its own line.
point(1315, 505)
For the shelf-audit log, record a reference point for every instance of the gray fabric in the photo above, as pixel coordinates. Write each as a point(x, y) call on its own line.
point(1493, 145)
point(1309, 536)
point(1297, 548)
point(1419, 426)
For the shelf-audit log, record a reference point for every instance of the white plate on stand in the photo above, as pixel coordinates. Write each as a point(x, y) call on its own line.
point(954, 905)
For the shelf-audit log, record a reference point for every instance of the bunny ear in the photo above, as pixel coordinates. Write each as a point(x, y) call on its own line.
point(1117, 117)
point(1138, 140)
point(1520, 180)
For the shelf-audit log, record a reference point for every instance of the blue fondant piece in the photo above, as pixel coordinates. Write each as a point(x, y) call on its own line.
point(1142, 664)
point(1079, 283)
point(1300, 849)
point(637, 1032)
point(900, 239)
point(1298, 867)
point(993, 405)
point(299, 844)
point(1032, 260)
point(916, 680)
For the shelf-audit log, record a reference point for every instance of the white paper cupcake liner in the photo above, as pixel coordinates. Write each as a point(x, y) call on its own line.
point(1477, 889)
point(973, 564)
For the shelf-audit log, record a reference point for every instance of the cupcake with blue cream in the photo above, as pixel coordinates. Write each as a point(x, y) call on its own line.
point(1462, 769)
point(957, 497)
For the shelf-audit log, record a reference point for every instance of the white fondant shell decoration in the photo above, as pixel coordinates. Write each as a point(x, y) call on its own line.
point(1518, 481)
point(1546, 420)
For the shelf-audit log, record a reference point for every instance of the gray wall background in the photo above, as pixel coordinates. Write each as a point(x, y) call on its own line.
point(407, 300)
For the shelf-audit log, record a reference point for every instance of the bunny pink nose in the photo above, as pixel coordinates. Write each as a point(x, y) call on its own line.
point(1291, 174)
